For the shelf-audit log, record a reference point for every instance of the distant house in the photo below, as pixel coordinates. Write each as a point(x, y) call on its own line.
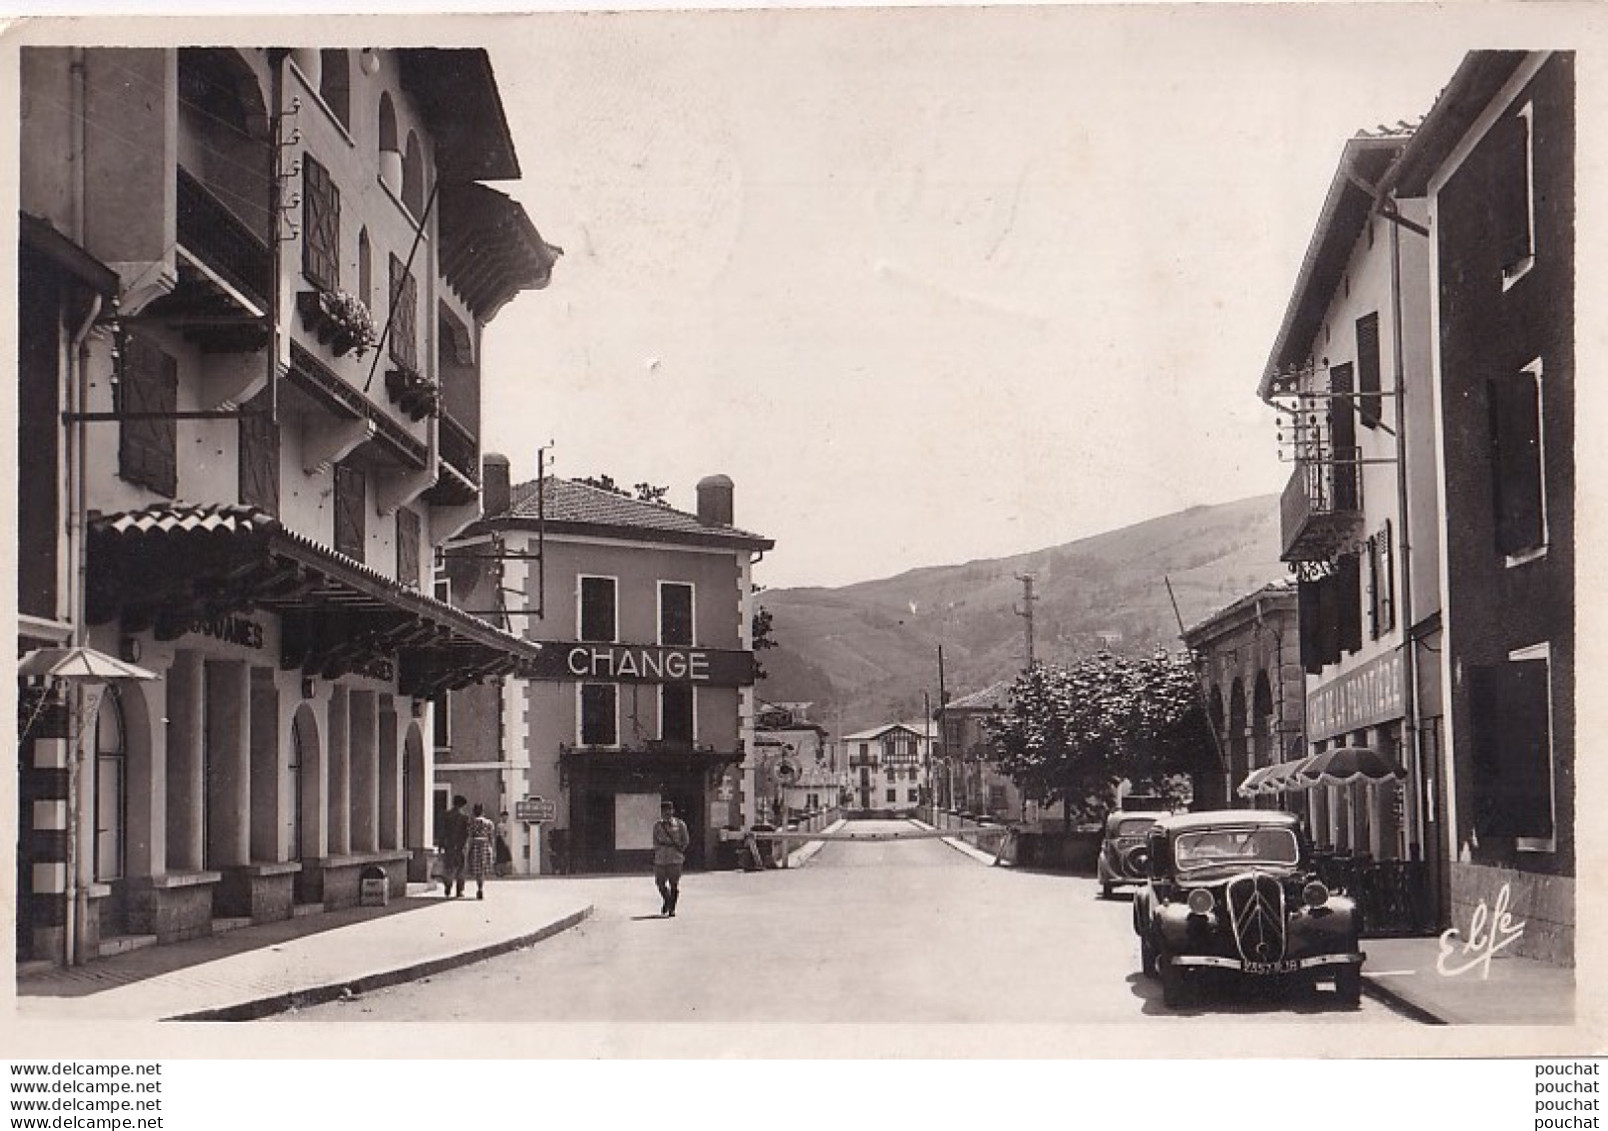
point(796, 762)
point(969, 780)
point(643, 690)
point(888, 767)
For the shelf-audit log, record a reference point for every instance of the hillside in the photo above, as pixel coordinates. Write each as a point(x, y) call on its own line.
point(865, 653)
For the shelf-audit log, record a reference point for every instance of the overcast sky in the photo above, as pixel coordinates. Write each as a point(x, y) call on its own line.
point(929, 285)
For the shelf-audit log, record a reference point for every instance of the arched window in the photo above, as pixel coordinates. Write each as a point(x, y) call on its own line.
point(390, 146)
point(111, 789)
point(413, 177)
point(365, 270)
point(335, 84)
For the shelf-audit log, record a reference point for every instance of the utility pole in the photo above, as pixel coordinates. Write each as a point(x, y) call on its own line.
point(1026, 612)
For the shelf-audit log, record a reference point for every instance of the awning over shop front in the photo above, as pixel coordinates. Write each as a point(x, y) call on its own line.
point(1281, 777)
point(171, 567)
point(1344, 765)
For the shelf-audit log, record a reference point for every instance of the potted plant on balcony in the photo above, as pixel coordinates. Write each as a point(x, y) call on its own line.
point(414, 392)
point(340, 320)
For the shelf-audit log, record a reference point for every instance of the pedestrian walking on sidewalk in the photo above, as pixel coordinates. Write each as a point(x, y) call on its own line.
point(454, 842)
point(482, 855)
point(670, 840)
point(505, 854)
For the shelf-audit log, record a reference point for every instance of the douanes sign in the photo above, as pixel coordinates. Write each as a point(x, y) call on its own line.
point(635, 663)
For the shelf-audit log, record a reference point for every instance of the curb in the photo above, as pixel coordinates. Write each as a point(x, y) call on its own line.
point(1401, 1003)
point(259, 1008)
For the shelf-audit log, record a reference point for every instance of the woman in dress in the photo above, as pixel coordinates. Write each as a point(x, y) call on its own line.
point(482, 854)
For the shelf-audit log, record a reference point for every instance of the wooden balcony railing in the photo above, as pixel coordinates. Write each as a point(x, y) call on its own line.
point(222, 241)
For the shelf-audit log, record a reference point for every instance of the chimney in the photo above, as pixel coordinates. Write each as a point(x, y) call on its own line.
point(494, 484)
point(714, 500)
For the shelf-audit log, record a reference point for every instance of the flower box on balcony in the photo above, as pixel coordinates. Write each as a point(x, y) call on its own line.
point(413, 392)
point(338, 320)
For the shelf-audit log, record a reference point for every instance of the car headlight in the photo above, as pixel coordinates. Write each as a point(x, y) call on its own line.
point(1315, 894)
point(1200, 901)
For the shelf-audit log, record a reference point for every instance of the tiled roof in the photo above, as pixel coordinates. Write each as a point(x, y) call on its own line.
point(571, 504)
point(918, 729)
point(993, 696)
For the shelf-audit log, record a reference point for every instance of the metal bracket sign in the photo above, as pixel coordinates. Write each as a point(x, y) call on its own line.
point(535, 810)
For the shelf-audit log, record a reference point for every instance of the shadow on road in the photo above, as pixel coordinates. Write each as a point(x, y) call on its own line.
point(1237, 996)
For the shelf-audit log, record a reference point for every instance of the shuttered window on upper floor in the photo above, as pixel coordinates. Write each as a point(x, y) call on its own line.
point(1368, 400)
point(259, 455)
point(404, 316)
point(321, 226)
point(147, 396)
point(1516, 462)
point(407, 547)
point(351, 491)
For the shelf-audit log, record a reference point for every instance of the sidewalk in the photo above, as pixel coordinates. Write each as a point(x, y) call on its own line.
point(1517, 991)
point(264, 969)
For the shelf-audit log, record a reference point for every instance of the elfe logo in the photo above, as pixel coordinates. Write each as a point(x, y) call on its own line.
point(1488, 932)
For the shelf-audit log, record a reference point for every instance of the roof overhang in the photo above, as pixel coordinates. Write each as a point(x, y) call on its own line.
point(1476, 82)
point(168, 566)
point(457, 93)
point(1345, 212)
point(490, 250)
point(40, 237)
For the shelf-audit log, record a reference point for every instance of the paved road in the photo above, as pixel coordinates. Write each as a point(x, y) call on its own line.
point(876, 932)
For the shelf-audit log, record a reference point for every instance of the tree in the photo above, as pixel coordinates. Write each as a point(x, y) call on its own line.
point(643, 492)
point(762, 639)
point(1072, 734)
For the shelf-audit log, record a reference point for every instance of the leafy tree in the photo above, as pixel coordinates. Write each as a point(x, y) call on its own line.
point(641, 492)
point(1073, 733)
point(762, 638)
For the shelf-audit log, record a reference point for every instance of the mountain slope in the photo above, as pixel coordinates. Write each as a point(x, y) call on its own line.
point(865, 653)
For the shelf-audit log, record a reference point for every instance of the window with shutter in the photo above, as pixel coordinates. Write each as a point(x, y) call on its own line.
point(259, 456)
point(1368, 401)
point(1343, 438)
point(321, 226)
point(404, 316)
point(676, 711)
point(599, 722)
point(407, 548)
point(1516, 442)
point(1515, 230)
point(1386, 596)
point(148, 446)
point(675, 613)
point(1348, 602)
point(1512, 750)
point(598, 609)
point(351, 534)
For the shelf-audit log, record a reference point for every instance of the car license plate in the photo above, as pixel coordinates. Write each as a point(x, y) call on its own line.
point(1288, 966)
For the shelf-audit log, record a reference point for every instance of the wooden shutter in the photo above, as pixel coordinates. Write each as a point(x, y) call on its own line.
point(148, 447)
point(321, 226)
point(1512, 750)
point(404, 316)
point(676, 708)
point(1510, 196)
point(1369, 402)
point(1515, 404)
point(1387, 578)
point(350, 530)
point(1309, 611)
point(1343, 438)
point(259, 457)
point(407, 548)
point(1348, 602)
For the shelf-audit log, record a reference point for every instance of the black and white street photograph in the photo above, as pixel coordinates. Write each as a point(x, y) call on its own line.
point(963, 531)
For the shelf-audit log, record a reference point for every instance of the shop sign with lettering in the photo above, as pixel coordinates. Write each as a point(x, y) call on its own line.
point(627, 663)
point(1369, 695)
point(231, 630)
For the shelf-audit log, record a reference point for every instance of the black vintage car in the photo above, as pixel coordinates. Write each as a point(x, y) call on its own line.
point(1235, 892)
point(1122, 850)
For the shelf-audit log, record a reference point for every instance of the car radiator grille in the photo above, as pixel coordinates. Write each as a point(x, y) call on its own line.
point(1256, 910)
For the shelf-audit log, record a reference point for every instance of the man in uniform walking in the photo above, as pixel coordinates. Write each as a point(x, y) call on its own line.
point(670, 840)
